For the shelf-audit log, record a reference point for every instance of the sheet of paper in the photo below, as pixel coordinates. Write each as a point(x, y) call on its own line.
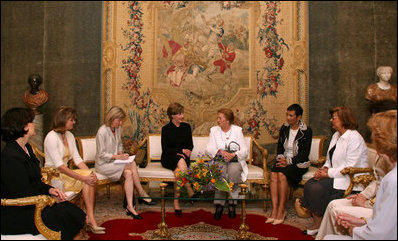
point(129, 160)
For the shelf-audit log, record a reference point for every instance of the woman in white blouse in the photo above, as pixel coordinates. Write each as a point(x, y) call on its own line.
point(383, 225)
point(223, 137)
point(109, 148)
point(347, 149)
point(59, 148)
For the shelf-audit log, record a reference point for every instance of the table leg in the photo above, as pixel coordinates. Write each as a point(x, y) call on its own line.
point(243, 233)
point(163, 231)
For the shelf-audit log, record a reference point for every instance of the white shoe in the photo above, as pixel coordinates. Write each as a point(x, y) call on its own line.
point(269, 220)
point(310, 231)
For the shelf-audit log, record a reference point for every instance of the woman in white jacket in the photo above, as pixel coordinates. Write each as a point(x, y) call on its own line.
point(383, 225)
point(59, 148)
point(221, 137)
point(347, 149)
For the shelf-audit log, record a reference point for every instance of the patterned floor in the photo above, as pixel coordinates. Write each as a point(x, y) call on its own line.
point(107, 209)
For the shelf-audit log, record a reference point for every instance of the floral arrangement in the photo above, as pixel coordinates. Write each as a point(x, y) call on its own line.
point(205, 176)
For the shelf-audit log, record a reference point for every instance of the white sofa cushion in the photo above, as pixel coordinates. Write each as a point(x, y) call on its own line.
point(315, 151)
point(87, 148)
point(23, 237)
point(155, 169)
point(255, 172)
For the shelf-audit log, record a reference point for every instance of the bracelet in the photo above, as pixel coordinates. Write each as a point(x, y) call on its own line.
point(364, 219)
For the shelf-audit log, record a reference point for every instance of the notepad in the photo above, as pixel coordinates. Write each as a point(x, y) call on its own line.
point(129, 160)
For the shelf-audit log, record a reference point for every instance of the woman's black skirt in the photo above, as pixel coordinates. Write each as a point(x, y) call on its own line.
point(318, 194)
point(292, 172)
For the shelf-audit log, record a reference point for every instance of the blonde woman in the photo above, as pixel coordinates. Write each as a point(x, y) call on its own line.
point(110, 148)
point(59, 148)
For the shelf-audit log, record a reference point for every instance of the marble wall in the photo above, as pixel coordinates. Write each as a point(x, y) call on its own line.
point(62, 42)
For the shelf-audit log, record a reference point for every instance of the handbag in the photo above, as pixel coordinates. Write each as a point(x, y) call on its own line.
point(233, 148)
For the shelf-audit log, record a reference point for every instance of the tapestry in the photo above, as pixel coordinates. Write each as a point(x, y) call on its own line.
point(249, 56)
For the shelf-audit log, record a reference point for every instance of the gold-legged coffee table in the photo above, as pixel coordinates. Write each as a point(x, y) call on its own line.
point(242, 234)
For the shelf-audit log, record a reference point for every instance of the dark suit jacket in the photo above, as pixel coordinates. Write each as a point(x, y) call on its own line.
point(20, 177)
point(303, 141)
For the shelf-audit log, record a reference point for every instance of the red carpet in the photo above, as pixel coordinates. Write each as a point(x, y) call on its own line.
point(118, 229)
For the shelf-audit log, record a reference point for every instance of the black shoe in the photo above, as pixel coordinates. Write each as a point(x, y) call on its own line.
point(133, 215)
point(178, 212)
point(218, 213)
point(141, 200)
point(231, 211)
point(125, 203)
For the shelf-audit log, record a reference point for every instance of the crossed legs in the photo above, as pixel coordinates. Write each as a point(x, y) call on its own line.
point(279, 192)
point(132, 179)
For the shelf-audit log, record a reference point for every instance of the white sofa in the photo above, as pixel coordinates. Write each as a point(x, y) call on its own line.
point(155, 172)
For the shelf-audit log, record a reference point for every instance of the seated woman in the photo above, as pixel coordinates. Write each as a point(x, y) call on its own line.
point(110, 148)
point(21, 177)
point(221, 137)
point(358, 205)
point(383, 225)
point(292, 162)
point(177, 146)
point(347, 149)
point(59, 148)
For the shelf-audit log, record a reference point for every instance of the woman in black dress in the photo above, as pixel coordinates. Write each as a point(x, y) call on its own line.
point(292, 162)
point(177, 146)
point(21, 177)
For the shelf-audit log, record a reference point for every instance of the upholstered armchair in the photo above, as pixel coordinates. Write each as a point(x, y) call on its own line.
point(316, 158)
point(40, 201)
point(48, 173)
point(365, 178)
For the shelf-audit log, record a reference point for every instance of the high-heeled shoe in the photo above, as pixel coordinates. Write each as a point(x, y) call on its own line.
point(133, 215)
point(95, 229)
point(125, 203)
point(178, 212)
point(142, 200)
point(279, 221)
point(270, 220)
point(231, 211)
point(218, 213)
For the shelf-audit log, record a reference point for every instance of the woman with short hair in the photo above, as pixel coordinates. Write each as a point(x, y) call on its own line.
point(347, 149)
point(227, 140)
point(177, 145)
point(294, 146)
point(21, 177)
point(383, 225)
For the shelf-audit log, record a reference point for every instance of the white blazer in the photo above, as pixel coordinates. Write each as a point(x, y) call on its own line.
point(54, 149)
point(217, 142)
point(351, 151)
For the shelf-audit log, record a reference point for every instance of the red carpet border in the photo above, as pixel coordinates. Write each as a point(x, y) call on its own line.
point(119, 229)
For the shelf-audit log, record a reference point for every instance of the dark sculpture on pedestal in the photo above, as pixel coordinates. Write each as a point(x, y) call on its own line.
point(35, 97)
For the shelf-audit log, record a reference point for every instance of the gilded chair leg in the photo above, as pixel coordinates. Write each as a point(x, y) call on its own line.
point(108, 190)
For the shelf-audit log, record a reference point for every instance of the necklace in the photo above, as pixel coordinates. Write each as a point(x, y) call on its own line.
point(227, 134)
